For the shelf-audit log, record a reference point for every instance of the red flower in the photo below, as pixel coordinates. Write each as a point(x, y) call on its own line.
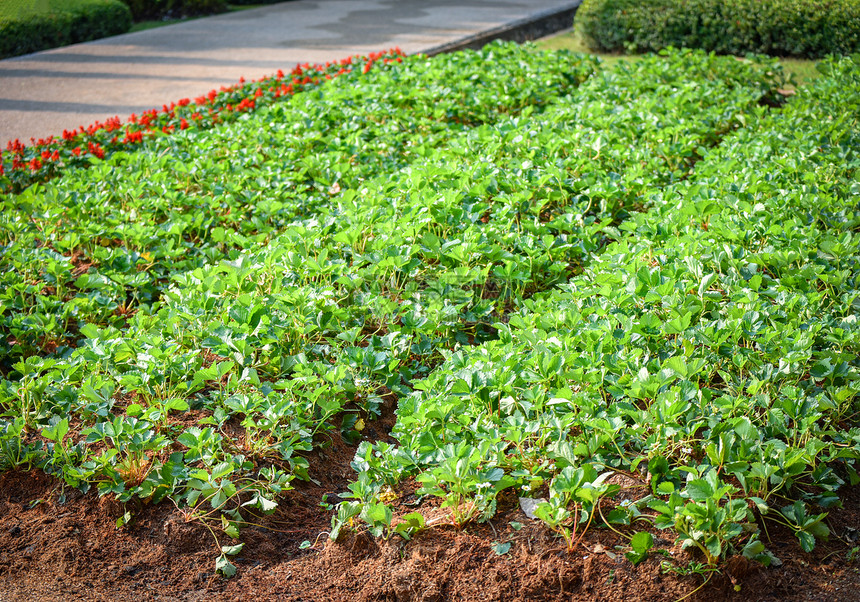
point(35, 165)
point(96, 150)
point(183, 124)
point(132, 137)
point(114, 123)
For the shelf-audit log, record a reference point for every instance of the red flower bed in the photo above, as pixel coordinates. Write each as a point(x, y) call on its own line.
point(22, 165)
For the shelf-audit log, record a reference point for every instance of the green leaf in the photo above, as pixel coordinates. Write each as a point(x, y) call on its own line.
point(225, 567)
point(642, 542)
point(265, 504)
point(807, 541)
point(123, 520)
point(177, 405)
point(753, 548)
point(761, 505)
point(819, 529)
point(745, 429)
point(677, 364)
point(714, 546)
point(415, 519)
point(699, 490)
point(232, 550)
point(57, 432)
point(221, 470)
point(666, 487)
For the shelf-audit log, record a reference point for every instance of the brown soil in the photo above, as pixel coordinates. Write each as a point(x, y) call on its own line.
point(55, 547)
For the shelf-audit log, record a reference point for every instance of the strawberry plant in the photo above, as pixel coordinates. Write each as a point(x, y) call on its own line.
point(648, 269)
point(677, 343)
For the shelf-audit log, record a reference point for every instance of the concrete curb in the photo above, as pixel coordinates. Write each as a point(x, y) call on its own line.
point(523, 30)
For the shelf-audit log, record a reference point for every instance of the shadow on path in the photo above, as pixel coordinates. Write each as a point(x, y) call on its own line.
point(69, 107)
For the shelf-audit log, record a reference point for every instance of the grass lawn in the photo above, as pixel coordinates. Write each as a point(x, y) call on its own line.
point(802, 70)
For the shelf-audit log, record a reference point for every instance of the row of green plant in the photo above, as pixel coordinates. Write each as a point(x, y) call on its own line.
point(30, 26)
point(232, 170)
point(709, 351)
point(797, 28)
point(188, 321)
point(92, 249)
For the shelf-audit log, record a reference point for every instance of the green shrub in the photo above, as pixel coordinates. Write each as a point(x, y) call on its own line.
point(156, 9)
point(64, 22)
point(803, 28)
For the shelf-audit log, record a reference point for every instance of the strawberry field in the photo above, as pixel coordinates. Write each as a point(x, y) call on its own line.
point(624, 299)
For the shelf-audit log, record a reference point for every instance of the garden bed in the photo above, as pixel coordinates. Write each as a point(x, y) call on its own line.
point(332, 346)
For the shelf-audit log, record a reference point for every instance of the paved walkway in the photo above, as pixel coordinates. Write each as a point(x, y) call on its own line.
point(43, 93)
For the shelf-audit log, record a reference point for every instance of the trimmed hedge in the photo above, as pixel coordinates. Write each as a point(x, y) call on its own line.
point(156, 9)
point(802, 28)
point(66, 22)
